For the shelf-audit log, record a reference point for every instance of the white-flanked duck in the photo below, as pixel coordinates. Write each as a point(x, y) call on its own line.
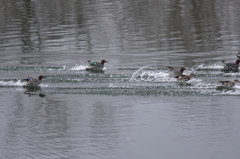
point(231, 66)
point(175, 71)
point(33, 82)
point(184, 78)
point(96, 66)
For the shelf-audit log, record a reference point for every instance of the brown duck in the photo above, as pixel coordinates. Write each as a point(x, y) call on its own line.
point(185, 78)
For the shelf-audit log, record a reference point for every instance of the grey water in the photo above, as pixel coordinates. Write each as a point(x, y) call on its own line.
point(133, 109)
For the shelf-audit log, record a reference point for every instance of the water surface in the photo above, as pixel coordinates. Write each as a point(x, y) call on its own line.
point(133, 109)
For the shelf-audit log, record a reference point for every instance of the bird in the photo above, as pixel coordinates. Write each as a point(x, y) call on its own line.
point(185, 78)
point(96, 66)
point(228, 84)
point(33, 82)
point(231, 66)
point(175, 71)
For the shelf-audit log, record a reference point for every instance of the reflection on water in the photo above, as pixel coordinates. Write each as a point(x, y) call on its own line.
point(76, 126)
point(156, 31)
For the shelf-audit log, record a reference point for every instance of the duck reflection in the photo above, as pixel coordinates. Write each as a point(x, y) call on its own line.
point(34, 91)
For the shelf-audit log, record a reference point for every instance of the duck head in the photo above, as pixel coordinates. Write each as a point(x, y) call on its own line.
point(182, 69)
point(41, 77)
point(238, 61)
point(236, 81)
point(103, 61)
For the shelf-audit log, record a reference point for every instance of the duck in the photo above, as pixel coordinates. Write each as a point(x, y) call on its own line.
point(228, 84)
point(231, 66)
point(184, 78)
point(32, 82)
point(175, 71)
point(96, 66)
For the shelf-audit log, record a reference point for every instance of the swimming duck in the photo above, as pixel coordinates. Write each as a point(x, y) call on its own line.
point(175, 71)
point(231, 66)
point(31, 82)
point(185, 78)
point(228, 84)
point(96, 66)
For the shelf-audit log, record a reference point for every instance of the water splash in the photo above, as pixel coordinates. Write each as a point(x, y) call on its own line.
point(206, 67)
point(18, 83)
point(146, 75)
point(44, 85)
point(78, 68)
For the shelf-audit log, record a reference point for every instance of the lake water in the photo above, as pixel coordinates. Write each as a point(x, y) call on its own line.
point(134, 109)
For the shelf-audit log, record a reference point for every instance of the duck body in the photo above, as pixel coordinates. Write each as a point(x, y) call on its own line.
point(175, 71)
point(228, 84)
point(231, 66)
point(185, 78)
point(34, 82)
point(96, 66)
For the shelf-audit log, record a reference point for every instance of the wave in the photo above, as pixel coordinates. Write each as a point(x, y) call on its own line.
point(146, 75)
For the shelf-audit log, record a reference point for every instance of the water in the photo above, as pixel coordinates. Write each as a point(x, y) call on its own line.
point(133, 109)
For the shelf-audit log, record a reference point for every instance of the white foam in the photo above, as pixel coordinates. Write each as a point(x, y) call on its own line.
point(64, 68)
point(116, 86)
point(230, 92)
point(202, 85)
point(214, 66)
point(151, 76)
point(231, 74)
point(77, 68)
point(237, 86)
point(18, 83)
point(43, 85)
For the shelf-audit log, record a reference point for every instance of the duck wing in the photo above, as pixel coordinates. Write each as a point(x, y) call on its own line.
point(92, 63)
point(183, 78)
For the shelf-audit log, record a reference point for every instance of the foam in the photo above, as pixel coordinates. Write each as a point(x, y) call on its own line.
point(202, 85)
point(78, 68)
point(151, 76)
point(214, 66)
point(43, 85)
point(18, 83)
